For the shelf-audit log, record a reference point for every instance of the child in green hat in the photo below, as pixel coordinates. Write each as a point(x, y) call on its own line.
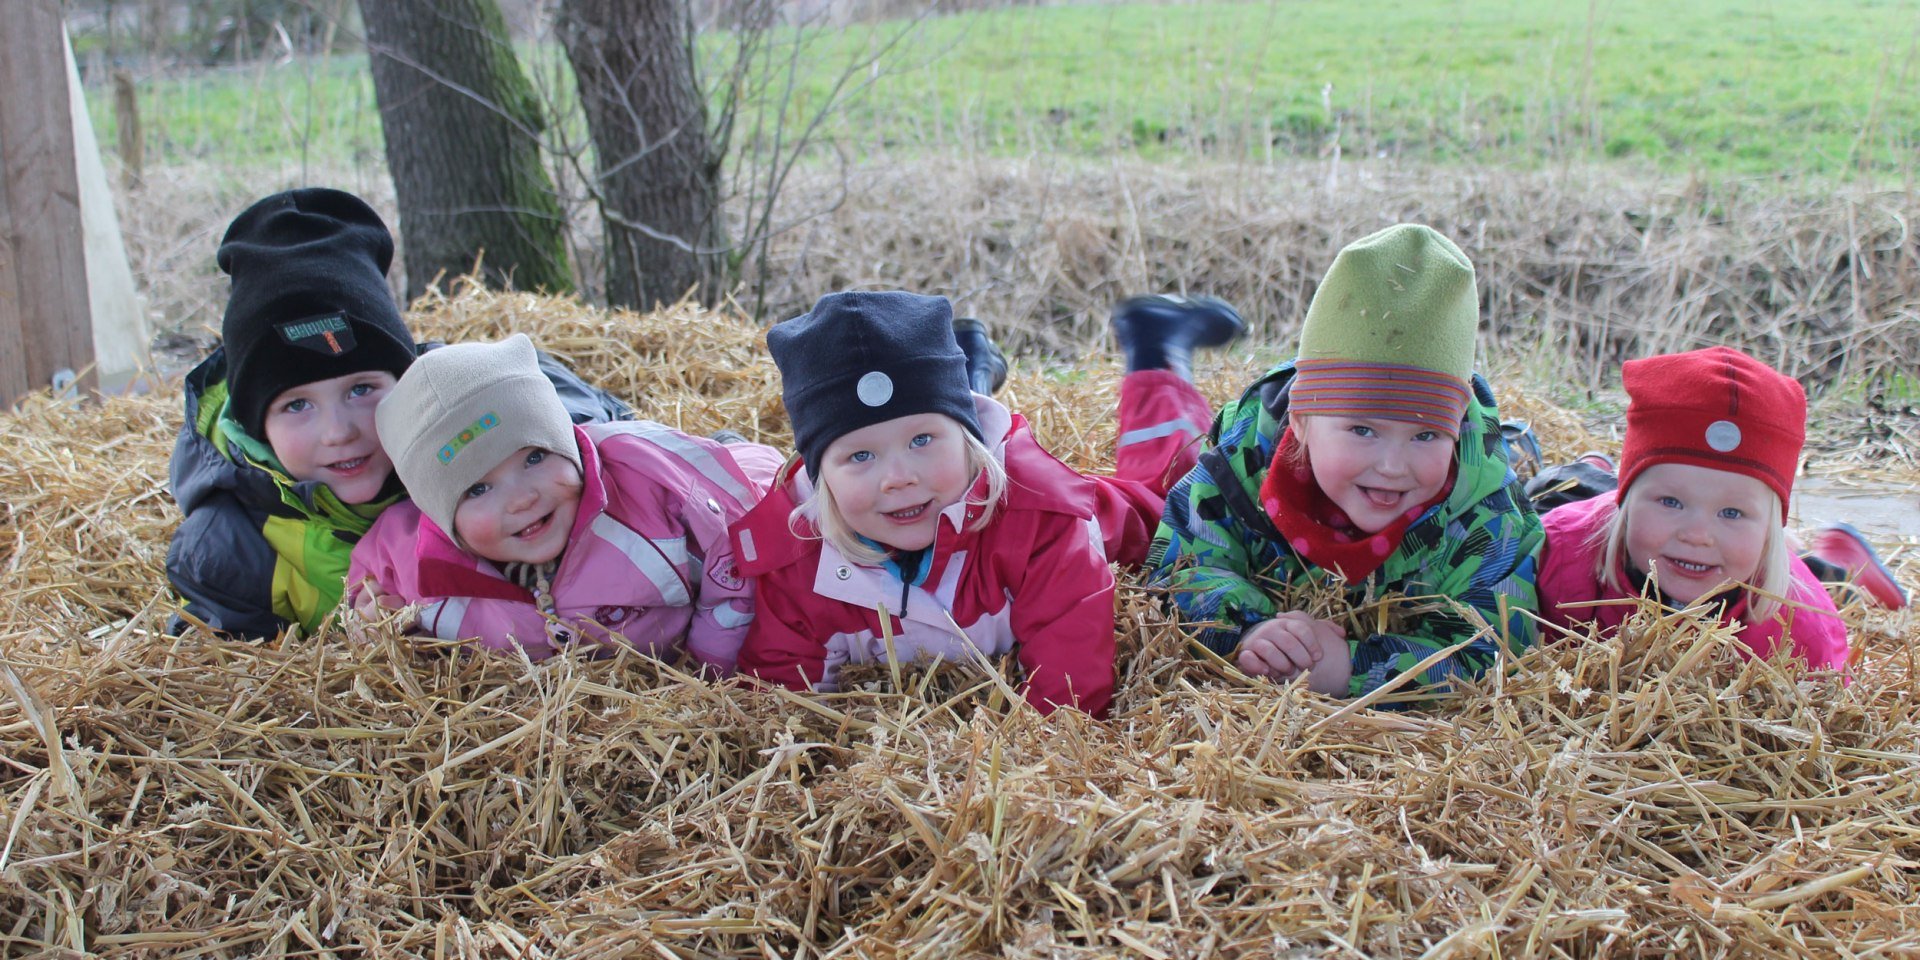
point(1373, 462)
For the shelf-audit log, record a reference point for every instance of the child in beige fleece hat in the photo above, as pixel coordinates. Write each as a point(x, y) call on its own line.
point(527, 532)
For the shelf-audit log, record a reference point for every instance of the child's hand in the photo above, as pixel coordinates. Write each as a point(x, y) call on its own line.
point(1292, 642)
point(1331, 675)
point(370, 603)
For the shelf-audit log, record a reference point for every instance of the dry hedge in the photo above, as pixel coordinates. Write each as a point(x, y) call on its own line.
point(1580, 267)
point(1583, 264)
point(358, 794)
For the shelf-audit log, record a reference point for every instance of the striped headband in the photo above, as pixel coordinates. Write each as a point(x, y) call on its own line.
point(1388, 391)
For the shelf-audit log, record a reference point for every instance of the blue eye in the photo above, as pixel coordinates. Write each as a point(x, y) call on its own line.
point(360, 389)
point(1360, 430)
point(1426, 435)
point(296, 406)
point(1732, 513)
point(535, 457)
point(922, 440)
point(860, 456)
point(1672, 503)
point(476, 491)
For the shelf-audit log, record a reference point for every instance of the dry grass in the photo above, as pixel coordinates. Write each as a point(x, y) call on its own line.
point(356, 794)
point(1580, 269)
point(1587, 266)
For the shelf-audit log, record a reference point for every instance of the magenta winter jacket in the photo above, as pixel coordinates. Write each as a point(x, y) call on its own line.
point(1567, 561)
point(648, 561)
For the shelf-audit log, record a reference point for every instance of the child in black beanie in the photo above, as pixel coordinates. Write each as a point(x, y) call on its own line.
point(278, 467)
point(928, 524)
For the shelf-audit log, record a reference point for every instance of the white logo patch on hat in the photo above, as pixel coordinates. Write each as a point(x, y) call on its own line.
point(1723, 436)
point(874, 389)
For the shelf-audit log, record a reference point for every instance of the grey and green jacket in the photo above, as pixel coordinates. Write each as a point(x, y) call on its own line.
point(258, 551)
point(1222, 558)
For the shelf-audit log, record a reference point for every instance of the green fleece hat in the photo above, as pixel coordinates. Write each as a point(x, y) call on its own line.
point(1390, 332)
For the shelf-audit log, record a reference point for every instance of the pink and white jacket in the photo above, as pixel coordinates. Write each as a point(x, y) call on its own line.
point(648, 561)
point(1573, 547)
point(1035, 583)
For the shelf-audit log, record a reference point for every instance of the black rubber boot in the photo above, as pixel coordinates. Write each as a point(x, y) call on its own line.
point(1523, 448)
point(986, 365)
point(1160, 333)
point(1561, 484)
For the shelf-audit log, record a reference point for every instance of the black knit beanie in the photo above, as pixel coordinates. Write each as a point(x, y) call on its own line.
point(310, 299)
point(860, 358)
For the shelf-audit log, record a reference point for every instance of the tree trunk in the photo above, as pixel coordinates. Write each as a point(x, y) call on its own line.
point(461, 124)
point(658, 174)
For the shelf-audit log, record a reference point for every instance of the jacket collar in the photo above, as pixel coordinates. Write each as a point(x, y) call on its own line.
point(766, 539)
point(1036, 479)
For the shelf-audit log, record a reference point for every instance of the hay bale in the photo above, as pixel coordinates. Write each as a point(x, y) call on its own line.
point(357, 791)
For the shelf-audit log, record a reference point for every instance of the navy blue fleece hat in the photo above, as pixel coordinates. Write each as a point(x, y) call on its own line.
point(309, 300)
point(861, 358)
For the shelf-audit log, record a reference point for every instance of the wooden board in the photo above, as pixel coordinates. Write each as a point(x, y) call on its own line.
point(44, 306)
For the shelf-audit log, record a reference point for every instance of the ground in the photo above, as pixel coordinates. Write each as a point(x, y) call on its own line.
point(357, 792)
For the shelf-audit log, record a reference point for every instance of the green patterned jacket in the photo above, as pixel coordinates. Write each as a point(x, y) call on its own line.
point(1223, 559)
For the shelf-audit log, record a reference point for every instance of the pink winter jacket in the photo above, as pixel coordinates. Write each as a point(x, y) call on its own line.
point(648, 561)
point(1572, 548)
point(1034, 583)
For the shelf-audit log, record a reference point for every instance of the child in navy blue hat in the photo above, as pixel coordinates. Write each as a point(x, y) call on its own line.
point(928, 524)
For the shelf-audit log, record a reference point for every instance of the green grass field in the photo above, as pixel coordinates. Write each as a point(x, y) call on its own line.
point(1726, 87)
point(1717, 87)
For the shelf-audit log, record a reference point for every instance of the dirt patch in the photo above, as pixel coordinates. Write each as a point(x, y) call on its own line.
point(1883, 509)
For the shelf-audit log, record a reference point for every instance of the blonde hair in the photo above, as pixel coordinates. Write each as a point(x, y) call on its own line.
point(1296, 455)
point(820, 509)
point(1770, 580)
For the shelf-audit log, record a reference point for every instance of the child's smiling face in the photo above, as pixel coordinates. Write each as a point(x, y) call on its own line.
point(891, 480)
point(1375, 470)
point(325, 431)
point(522, 511)
point(1695, 529)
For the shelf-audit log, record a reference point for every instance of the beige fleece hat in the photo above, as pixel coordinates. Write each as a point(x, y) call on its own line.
point(461, 409)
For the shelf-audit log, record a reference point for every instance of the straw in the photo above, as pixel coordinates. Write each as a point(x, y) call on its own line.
point(1653, 794)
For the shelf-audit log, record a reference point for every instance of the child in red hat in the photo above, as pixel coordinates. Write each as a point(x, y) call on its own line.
point(1706, 473)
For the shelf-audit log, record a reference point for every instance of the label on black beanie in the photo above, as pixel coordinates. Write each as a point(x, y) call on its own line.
point(331, 335)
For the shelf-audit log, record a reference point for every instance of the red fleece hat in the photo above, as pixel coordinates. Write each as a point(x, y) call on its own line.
point(1716, 408)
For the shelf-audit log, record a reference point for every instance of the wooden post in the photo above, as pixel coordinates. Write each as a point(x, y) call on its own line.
point(45, 322)
point(126, 123)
